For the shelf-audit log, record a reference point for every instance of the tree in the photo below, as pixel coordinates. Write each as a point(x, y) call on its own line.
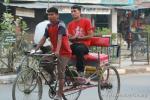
point(11, 38)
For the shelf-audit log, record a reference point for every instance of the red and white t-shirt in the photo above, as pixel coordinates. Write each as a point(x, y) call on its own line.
point(80, 28)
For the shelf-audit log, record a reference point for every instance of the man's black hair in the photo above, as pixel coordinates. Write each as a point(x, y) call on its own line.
point(52, 9)
point(76, 7)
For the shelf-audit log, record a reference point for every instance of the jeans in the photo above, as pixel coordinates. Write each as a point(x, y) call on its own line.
point(79, 50)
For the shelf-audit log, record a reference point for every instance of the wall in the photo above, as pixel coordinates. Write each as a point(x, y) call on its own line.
point(114, 21)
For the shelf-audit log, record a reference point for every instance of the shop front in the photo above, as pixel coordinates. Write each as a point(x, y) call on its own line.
point(34, 12)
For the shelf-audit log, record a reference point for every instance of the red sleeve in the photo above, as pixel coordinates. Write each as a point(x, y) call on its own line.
point(88, 25)
point(70, 29)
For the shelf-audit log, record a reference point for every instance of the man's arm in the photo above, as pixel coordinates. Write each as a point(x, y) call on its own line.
point(75, 38)
point(90, 34)
point(59, 42)
point(42, 41)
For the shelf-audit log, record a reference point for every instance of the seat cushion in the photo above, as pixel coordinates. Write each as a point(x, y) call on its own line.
point(94, 57)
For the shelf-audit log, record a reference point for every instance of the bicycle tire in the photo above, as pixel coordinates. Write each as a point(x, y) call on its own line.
point(72, 90)
point(109, 89)
point(27, 83)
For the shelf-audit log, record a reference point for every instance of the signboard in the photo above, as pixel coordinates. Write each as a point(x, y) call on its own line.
point(54, 0)
point(146, 0)
point(85, 1)
point(122, 2)
point(137, 2)
point(10, 39)
point(24, 0)
point(85, 10)
point(25, 12)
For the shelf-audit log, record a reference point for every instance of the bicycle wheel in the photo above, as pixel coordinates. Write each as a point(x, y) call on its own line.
point(18, 53)
point(109, 84)
point(27, 86)
point(72, 89)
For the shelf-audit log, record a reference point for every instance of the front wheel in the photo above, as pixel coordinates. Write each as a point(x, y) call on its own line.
point(27, 86)
point(109, 84)
point(72, 89)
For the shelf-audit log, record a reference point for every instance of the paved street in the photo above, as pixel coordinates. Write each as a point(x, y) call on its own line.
point(133, 87)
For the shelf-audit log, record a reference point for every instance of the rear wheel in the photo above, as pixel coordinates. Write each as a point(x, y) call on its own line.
point(109, 84)
point(27, 86)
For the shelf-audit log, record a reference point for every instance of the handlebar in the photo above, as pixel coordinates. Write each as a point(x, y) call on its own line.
point(39, 54)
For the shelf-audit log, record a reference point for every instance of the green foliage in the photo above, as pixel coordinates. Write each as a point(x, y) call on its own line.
point(147, 28)
point(22, 24)
point(102, 31)
point(8, 28)
point(105, 31)
point(6, 25)
point(7, 1)
point(113, 36)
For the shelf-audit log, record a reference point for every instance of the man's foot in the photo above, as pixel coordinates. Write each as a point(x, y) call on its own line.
point(58, 97)
point(81, 74)
point(82, 80)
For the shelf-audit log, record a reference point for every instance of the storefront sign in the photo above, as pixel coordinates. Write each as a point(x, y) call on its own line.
point(25, 0)
point(95, 11)
point(10, 39)
point(146, 0)
point(85, 1)
point(85, 10)
point(122, 2)
point(25, 12)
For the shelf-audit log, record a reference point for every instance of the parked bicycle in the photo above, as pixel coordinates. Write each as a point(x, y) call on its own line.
point(28, 83)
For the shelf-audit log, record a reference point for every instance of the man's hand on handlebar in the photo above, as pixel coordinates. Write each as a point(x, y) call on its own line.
point(33, 51)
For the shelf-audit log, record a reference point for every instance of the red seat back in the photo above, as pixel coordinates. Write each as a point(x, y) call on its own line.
point(100, 41)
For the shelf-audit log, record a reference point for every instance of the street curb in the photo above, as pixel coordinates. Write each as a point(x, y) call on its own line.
point(7, 79)
point(133, 70)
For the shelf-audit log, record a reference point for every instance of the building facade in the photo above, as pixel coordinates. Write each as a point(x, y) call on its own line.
point(101, 12)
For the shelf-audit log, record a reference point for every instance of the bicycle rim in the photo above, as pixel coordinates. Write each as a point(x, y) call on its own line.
point(27, 86)
point(109, 84)
point(72, 91)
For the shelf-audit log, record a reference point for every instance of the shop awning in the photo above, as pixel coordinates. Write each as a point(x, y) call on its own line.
point(64, 7)
point(132, 7)
point(34, 5)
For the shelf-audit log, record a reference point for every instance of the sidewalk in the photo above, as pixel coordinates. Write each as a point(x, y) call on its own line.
point(127, 67)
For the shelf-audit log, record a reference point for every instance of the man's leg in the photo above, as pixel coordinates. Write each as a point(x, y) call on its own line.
point(79, 50)
point(49, 68)
point(128, 42)
point(62, 63)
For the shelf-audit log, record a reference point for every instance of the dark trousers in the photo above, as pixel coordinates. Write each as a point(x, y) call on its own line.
point(79, 50)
